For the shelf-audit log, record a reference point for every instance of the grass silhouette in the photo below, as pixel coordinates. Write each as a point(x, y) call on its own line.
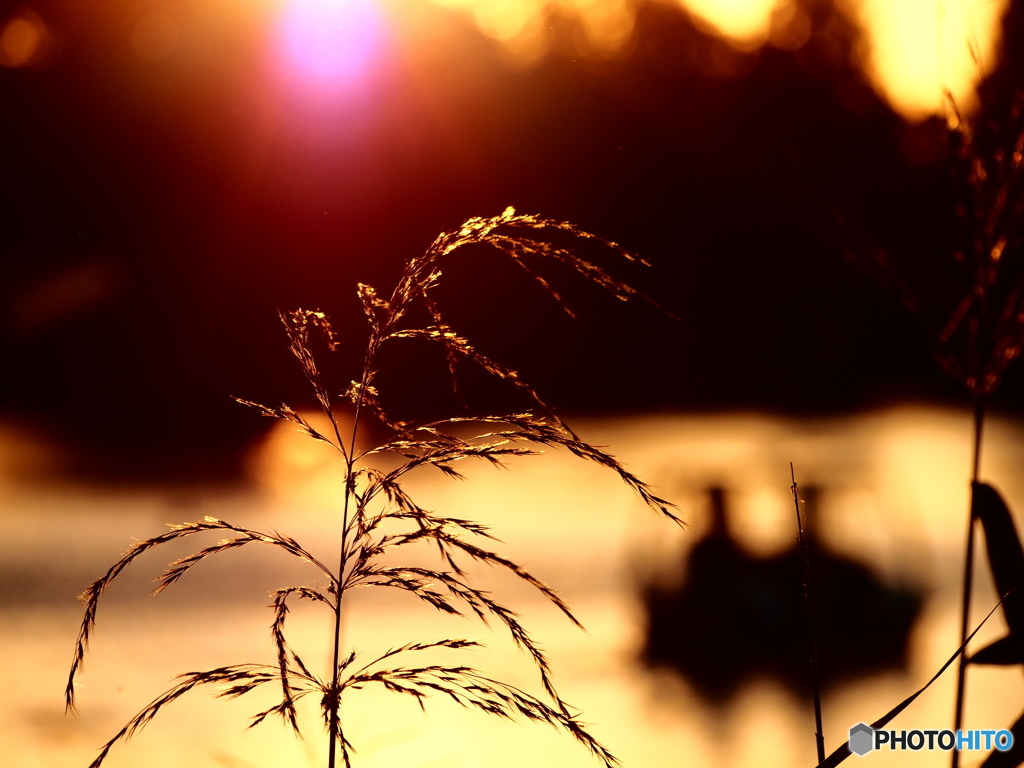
point(378, 516)
point(978, 335)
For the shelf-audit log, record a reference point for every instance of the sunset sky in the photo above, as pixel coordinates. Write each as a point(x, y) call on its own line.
point(179, 171)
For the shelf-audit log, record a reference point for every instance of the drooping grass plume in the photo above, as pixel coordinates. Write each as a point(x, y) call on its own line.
point(378, 516)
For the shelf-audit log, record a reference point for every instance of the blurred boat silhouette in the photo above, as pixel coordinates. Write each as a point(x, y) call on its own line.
point(737, 616)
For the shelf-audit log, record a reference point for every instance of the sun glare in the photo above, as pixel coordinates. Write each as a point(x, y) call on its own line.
point(919, 48)
point(744, 22)
point(330, 43)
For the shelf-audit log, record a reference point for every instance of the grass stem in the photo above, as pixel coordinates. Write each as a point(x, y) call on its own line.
point(334, 725)
point(379, 515)
point(812, 644)
point(961, 671)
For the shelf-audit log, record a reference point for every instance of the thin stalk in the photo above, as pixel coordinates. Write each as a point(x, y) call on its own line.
point(335, 702)
point(805, 566)
point(343, 557)
point(961, 670)
point(334, 725)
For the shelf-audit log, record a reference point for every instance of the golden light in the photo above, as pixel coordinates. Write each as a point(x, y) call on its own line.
point(607, 25)
point(742, 22)
point(915, 50)
point(919, 48)
point(519, 25)
point(290, 466)
point(894, 479)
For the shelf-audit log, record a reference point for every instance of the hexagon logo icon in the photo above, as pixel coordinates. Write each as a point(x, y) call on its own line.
point(862, 739)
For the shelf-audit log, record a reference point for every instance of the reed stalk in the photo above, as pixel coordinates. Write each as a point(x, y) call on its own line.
point(804, 543)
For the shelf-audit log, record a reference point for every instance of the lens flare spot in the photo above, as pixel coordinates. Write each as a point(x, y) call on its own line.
point(330, 42)
point(519, 25)
point(26, 41)
point(505, 20)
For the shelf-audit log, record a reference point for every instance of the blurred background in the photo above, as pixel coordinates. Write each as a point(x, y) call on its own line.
point(177, 171)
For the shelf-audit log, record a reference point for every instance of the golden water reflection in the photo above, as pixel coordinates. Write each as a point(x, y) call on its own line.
point(893, 492)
